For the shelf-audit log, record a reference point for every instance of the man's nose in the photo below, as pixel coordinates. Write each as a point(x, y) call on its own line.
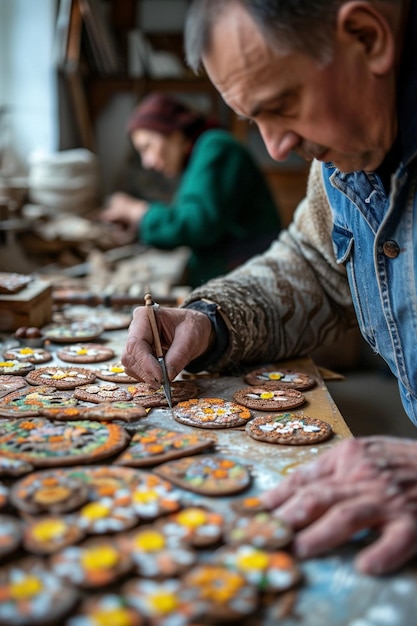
point(279, 144)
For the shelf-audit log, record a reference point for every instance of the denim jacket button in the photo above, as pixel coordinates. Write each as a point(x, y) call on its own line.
point(391, 249)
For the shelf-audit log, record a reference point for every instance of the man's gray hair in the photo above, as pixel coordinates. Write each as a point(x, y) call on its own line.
point(288, 25)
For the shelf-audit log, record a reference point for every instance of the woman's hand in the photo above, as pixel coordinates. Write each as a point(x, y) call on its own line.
point(185, 334)
point(368, 483)
point(125, 213)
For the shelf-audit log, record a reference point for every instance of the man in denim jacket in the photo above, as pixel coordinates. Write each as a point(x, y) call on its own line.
point(335, 81)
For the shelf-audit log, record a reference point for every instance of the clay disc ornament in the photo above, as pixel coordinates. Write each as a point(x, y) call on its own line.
point(149, 397)
point(73, 332)
point(206, 475)
point(30, 401)
point(28, 355)
point(277, 378)
point(157, 445)
point(9, 383)
point(211, 413)
point(44, 443)
point(61, 377)
point(289, 429)
point(264, 399)
point(114, 373)
point(14, 367)
point(85, 353)
point(32, 594)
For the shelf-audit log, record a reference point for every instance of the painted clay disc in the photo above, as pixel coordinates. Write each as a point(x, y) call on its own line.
point(207, 475)
point(43, 443)
point(14, 367)
point(115, 373)
point(196, 525)
point(29, 401)
point(290, 429)
point(278, 378)
point(263, 399)
point(61, 377)
point(9, 383)
point(268, 571)
point(32, 594)
point(48, 491)
point(28, 355)
point(85, 353)
point(211, 413)
point(73, 332)
point(227, 594)
point(110, 609)
point(148, 397)
point(103, 412)
point(262, 530)
point(95, 563)
point(50, 533)
point(157, 554)
point(163, 602)
point(105, 392)
point(14, 467)
point(157, 445)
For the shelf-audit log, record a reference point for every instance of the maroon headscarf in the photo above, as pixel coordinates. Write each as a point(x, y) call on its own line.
point(164, 114)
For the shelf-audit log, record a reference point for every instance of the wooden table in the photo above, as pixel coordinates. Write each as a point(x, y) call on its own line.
point(332, 592)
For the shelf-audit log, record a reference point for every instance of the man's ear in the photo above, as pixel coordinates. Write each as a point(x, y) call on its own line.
point(363, 23)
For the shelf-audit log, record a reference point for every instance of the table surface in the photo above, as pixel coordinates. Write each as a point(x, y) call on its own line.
point(332, 593)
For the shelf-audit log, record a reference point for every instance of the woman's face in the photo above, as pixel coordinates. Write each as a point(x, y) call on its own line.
point(163, 153)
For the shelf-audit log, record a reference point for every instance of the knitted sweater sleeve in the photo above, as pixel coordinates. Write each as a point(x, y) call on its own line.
point(289, 300)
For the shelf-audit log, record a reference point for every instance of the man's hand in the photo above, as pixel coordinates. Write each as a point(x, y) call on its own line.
point(359, 484)
point(185, 335)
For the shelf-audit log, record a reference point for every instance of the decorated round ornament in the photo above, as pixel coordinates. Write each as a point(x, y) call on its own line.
point(9, 383)
point(268, 571)
point(163, 603)
point(114, 373)
point(26, 354)
point(33, 595)
point(261, 530)
point(44, 443)
point(149, 397)
point(152, 446)
point(195, 525)
point(72, 332)
point(13, 367)
point(29, 401)
point(105, 392)
point(61, 377)
point(50, 533)
point(211, 413)
point(273, 377)
point(206, 475)
point(289, 429)
point(105, 610)
point(85, 353)
point(49, 491)
point(156, 554)
point(14, 467)
point(226, 594)
point(95, 563)
point(264, 399)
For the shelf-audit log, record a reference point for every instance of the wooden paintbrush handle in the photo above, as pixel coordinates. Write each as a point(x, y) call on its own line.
point(152, 319)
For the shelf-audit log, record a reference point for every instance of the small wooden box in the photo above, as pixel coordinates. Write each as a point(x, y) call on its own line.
point(32, 306)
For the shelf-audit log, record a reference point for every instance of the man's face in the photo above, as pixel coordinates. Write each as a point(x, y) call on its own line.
point(339, 111)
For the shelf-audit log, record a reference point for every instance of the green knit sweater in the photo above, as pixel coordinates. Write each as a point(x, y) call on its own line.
point(223, 209)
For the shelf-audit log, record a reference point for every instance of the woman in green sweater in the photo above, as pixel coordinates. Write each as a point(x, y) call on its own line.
point(223, 209)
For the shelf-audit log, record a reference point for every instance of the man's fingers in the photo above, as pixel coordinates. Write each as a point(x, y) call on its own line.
point(396, 545)
point(337, 526)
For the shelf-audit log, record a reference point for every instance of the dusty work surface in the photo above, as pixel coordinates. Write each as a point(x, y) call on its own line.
point(331, 593)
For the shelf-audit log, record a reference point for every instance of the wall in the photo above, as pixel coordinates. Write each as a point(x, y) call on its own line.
point(27, 81)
